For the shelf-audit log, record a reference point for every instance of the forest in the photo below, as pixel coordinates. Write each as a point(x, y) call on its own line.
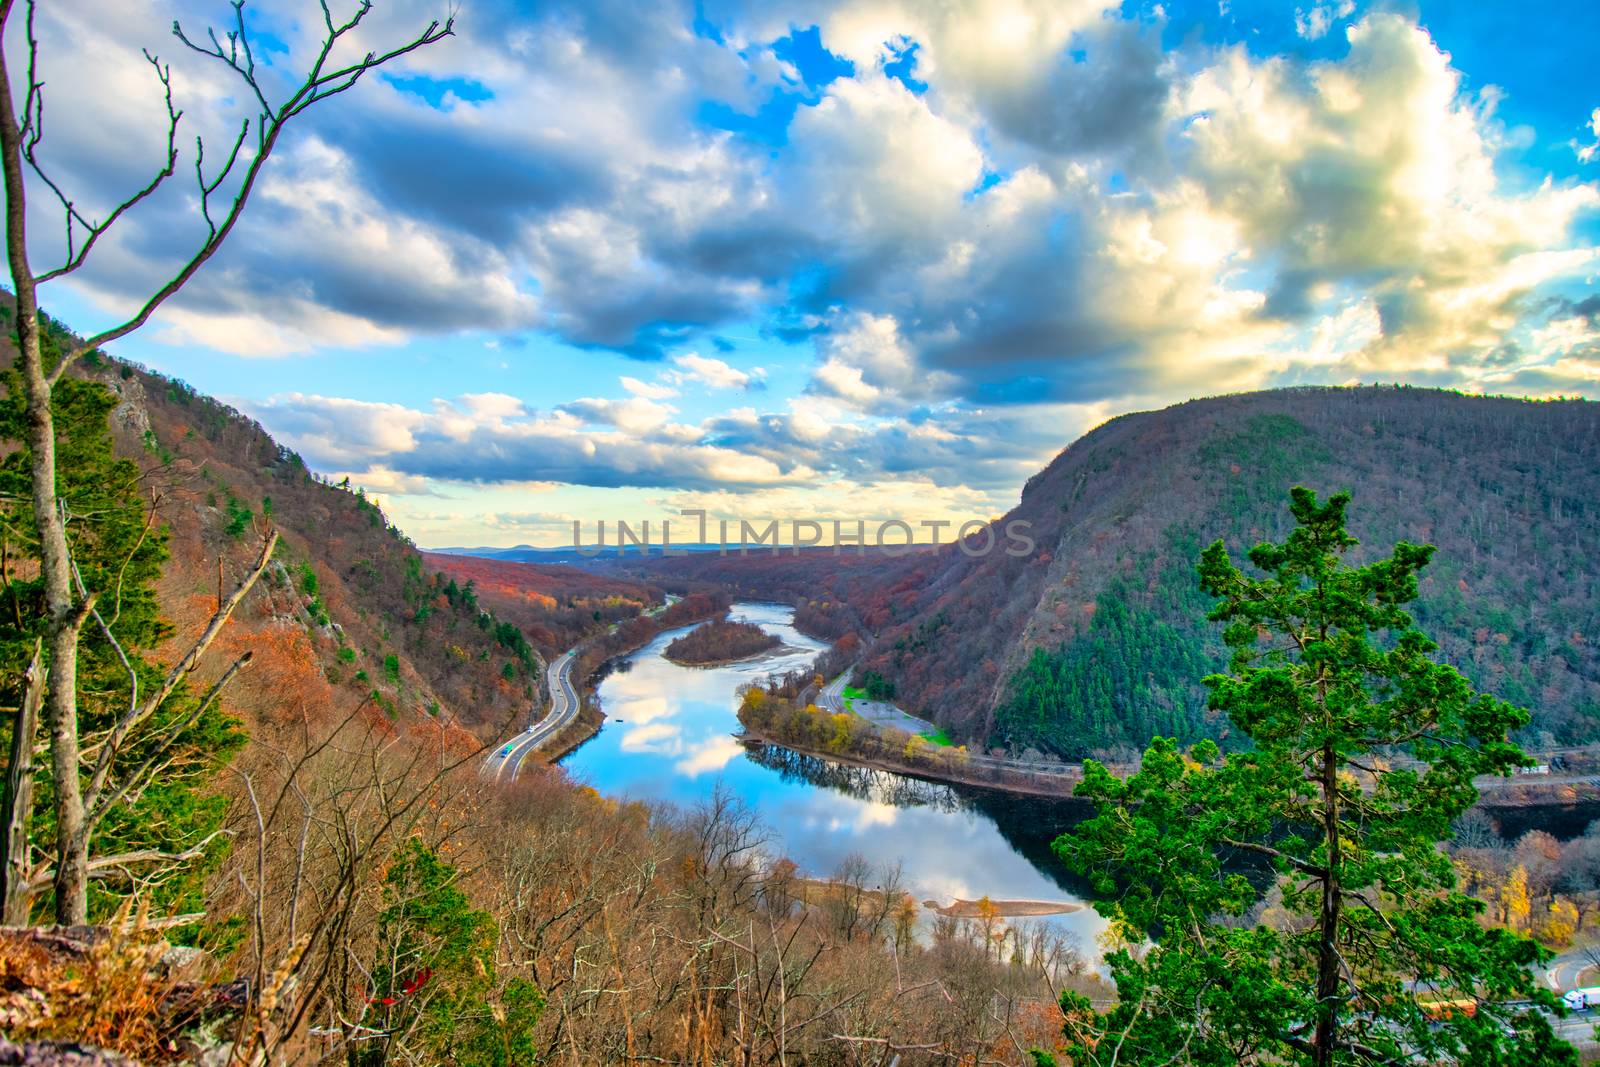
point(555, 607)
point(354, 867)
point(1510, 594)
point(721, 641)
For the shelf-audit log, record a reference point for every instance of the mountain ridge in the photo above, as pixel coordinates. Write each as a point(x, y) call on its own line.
point(1120, 516)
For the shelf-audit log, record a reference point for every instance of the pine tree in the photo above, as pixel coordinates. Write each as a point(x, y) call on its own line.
point(116, 545)
point(435, 995)
point(1364, 751)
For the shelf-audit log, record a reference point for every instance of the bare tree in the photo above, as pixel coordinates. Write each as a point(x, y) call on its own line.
point(22, 130)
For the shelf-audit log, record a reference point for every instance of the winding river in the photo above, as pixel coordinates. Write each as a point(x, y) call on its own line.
point(668, 738)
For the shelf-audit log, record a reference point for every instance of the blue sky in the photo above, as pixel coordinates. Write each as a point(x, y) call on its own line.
point(853, 258)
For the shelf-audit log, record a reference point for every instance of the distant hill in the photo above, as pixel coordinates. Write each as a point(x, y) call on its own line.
point(349, 617)
point(555, 606)
point(1099, 639)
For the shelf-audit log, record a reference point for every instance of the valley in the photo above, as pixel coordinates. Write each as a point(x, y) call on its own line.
point(877, 533)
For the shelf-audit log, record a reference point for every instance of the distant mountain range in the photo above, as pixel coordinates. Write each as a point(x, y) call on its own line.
point(570, 555)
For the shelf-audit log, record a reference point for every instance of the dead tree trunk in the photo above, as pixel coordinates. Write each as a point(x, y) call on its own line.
point(15, 867)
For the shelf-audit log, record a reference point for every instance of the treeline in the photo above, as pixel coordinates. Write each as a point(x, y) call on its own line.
point(813, 729)
point(1537, 884)
point(720, 641)
point(556, 607)
point(774, 714)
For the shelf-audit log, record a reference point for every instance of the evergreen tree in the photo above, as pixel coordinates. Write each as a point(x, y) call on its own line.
point(116, 546)
point(1364, 751)
point(435, 995)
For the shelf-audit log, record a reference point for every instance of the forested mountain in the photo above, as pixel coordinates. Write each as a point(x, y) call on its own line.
point(1099, 639)
point(349, 612)
point(554, 606)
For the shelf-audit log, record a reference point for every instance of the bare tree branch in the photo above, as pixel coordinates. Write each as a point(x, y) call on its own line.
point(232, 50)
point(180, 670)
point(76, 255)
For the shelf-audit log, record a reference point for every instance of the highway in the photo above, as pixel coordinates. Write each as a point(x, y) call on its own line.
point(831, 696)
point(1566, 971)
point(563, 708)
point(564, 705)
point(879, 713)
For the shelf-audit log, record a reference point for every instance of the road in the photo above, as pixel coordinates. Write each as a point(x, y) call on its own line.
point(564, 705)
point(563, 708)
point(831, 698)
point(1566, 971)
point(1577, 1028)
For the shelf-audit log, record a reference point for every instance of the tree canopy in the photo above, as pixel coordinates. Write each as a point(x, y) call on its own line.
point(1363, 749)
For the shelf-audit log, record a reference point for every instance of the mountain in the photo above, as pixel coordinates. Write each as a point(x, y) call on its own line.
point(349, 616)
point(554, 606)
point(1099, 638)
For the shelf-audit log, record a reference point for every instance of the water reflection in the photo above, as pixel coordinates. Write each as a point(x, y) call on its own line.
point(669, 739)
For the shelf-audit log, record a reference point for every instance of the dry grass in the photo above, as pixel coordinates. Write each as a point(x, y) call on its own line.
point(99, 986)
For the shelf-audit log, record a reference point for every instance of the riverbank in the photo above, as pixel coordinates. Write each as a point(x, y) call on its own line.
point(824, 891)
point(602, 652)
point(587, 723)
point(948, 770)
point(877, 750)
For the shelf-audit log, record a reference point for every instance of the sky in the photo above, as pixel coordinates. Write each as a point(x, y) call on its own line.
point(829, 259)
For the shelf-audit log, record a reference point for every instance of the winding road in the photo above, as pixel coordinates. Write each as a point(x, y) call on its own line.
point(1566, 971)
point(564, 705)
point(563, 708)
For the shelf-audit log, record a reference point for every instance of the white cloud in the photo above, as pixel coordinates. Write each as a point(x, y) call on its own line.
point(1586, 152)
point(709, 371)
point(648, 390)
point(493, 439)
point(1316, 22)
point(636, 415)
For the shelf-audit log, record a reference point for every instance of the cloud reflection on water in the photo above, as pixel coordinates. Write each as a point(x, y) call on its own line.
point(675, 745)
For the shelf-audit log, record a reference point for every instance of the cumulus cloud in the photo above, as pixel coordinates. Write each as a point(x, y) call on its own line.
point(709, 371)
point(493, 439)
point(1374, 172)
point(1048, 214)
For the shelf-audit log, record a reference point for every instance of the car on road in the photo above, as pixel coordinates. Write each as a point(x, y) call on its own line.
point(1579, 999)
point(1442, 1010)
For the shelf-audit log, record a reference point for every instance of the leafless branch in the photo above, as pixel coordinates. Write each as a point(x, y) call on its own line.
point(233, 50)
point(180, 670)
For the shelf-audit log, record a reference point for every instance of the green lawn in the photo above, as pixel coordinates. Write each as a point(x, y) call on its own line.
point(937, 737)
point(851, 694)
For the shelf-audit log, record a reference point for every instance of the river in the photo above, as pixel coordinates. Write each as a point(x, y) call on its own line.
point(668, 738)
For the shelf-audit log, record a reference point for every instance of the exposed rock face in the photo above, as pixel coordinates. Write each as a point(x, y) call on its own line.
point(68, 986)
